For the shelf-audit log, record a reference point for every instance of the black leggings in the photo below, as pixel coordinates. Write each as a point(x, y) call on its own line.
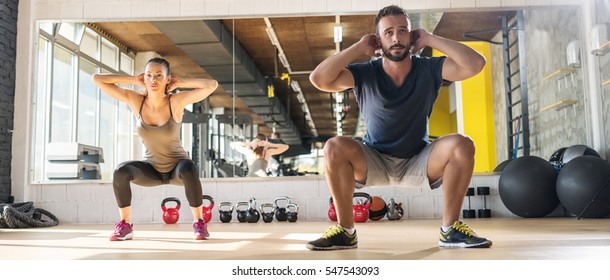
point(144, 174)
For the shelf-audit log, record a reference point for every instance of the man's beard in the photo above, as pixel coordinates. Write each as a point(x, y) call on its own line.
point(390, 56)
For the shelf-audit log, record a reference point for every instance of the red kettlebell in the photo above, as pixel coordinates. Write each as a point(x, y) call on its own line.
point(361, 211)
point(332, 212)
point(207, 210)
point(171, 215)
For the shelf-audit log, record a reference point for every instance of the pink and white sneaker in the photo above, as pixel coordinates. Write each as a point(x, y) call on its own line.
point(201, 230)
point(122, 231)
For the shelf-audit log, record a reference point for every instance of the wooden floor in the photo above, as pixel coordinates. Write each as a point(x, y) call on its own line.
point(513, 239)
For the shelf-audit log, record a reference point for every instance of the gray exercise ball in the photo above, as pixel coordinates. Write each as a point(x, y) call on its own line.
point(575, 151)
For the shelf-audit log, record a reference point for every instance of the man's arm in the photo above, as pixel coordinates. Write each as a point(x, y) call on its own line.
point(462, 61)
point(331, 75)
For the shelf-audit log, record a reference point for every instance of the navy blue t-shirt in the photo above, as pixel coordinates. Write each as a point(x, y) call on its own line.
point(397, 117)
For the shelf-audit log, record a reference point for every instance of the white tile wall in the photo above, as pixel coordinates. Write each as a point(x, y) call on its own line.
point(265, 6)
point(460, 4)
point(290, 7)
point(143, 10)
point(79, 192)
point(314, 6)
point(217, 8)
point(409, 5)
point(488, 3)
point(139, 9)
point(539, 2)
point(194, 8)
point(89, 212)
point(71, 10)
point(514, 3)
point(438, 4)
point(167, 9)
point(95, 202)
point(242, 7)
point(340, 6)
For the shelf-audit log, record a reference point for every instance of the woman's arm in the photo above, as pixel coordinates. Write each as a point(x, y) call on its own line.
point(274, 149)
point(201, 89)
point(242, 147)
point(108, 83)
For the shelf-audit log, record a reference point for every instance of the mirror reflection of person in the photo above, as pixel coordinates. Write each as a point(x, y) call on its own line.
point(275, 161)
point(396, 94)
point(159, 117)
point(258, 152)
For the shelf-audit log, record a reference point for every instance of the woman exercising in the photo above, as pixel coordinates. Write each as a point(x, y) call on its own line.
point(159, 118)
point(258, 153)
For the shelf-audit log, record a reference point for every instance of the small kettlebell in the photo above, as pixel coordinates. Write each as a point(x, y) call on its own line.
point(267, 216)
point(361, 209)
point(332, 212)
point(253, 215)
point(292, 212)
point(280, 212)
point(395, 211)
point(225, 215)
point(171, 215)
point(242, 210)
point(206, 211)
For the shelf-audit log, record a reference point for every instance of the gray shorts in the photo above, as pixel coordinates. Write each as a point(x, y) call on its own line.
point(386, 170)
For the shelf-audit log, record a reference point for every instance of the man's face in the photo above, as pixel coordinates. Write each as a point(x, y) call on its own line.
point(395, 37)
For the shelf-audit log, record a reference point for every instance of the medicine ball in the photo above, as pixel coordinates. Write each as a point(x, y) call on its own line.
point(378, 209)
point(527, 187)
point(556, 158)
point(575, 151)
point(585, 180)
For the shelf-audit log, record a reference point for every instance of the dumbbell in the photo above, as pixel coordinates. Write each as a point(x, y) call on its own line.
point(484, 212)
point(469, 213)
point(395, 211)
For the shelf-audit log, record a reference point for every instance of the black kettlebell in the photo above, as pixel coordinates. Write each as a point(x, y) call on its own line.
point(292, 215)
point(253, 215)
point(225, 215)
point(267, 216)
point(241, 213)
point(280, 212)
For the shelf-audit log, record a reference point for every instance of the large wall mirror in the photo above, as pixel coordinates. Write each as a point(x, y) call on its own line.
point(263, 66)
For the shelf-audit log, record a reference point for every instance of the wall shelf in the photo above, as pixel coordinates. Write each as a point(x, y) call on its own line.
point(559, 104)
point(560, 73)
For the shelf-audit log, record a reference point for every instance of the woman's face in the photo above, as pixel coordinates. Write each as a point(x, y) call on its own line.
point(155, 77)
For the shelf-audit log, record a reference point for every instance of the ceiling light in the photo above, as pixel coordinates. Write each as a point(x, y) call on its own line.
point(295, 86)
point(284, 60)
point(272, 36)
point(338, 33)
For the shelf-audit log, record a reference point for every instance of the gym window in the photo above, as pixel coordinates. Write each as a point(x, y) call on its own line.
point(68, 107)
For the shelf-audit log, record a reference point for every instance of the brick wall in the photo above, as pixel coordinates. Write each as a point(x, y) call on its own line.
point(8, 39)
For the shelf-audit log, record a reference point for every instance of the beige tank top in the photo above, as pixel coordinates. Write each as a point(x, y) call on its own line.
point(163, 147)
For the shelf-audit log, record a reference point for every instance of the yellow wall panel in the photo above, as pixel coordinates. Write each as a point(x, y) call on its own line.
point(477, 110)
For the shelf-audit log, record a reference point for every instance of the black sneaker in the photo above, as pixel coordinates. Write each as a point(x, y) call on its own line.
point(335, 238)
point(461, 236)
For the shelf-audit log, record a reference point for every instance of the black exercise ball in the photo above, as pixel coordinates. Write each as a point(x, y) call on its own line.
point(580, 181)
point(501, 166)
point(575, 151)
point(527, 187)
